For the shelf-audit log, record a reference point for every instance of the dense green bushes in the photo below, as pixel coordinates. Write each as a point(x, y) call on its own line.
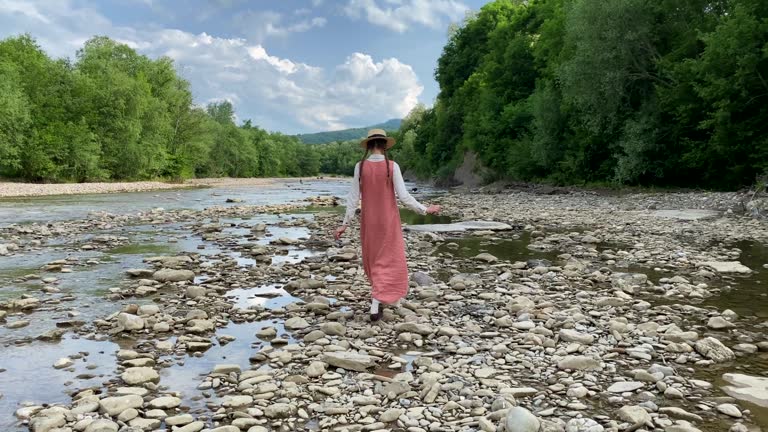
point(652, 92)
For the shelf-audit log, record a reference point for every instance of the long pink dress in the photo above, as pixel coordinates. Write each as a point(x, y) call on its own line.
point(381, 235)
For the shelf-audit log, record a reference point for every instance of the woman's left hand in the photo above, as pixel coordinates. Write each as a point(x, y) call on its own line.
point(433, 209)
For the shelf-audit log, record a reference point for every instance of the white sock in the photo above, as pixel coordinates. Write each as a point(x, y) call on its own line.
point(374, 306)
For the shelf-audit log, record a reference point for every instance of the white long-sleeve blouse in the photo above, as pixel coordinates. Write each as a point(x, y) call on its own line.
point(400, 190)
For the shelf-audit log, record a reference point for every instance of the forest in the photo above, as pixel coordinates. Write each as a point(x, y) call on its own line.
point(670, 93)
point(626, 92)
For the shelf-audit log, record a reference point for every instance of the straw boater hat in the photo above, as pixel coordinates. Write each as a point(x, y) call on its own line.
point(377, 134)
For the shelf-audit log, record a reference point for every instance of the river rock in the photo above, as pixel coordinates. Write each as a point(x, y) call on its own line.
point(165, 402)
point(236, 401)
point(681, 428)
point(747, 388)
point(296, 323)
point(171, 275)
point(410, 327)
point(519, 419)
point(48, 423)
point(583, 425)
point(102, 426)
point(128, 415)
point(680, 414)
point(179, 420)
point(729, 410)
point(146, 424)
point(149, 310)
point(333, 329)
point(17, 324)
point(194, 291)
point(391, 415)
point(350, 360)
point(226, 369)
point(460, 227)
point(139, 375)
point(569, 335)
point(579, 363)
point(63, 362)
point(422, 279)
point(486, 257)
point(200, 326)
point(117, 404)
point(192, 427)
point(280, 410)
point(130, 322)
point(719, 323)
point(267, 333)
point(714, 350)
point(635, 415)
point(625, 386)
point(315, 369)
point(139, 273)
point(727, 267)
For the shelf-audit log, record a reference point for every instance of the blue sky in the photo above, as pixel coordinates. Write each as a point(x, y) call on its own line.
point(289, 65)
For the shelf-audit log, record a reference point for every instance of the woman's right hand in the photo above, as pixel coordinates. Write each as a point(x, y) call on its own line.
point(433, 209)
point(339, 231)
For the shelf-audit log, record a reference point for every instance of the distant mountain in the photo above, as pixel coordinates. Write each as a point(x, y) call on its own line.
point(347, 134)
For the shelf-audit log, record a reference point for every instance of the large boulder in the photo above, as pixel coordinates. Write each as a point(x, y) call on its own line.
point(714, 350)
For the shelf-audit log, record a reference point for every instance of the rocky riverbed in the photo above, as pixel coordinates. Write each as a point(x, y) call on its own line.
point(573, 312)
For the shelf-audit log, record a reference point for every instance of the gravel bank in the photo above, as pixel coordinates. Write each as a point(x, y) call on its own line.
point(15, 189)
point(601, 322)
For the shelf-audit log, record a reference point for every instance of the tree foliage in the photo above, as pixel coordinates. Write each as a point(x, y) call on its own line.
point(113, 114)
point(652, 92)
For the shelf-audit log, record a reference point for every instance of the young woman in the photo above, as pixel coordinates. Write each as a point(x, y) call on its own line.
point(378, 183)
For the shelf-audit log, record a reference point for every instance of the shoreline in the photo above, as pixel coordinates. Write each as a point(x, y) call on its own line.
point(9, 189)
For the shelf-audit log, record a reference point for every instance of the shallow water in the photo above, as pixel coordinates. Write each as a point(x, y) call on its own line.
point(747, 295)
point(504, 248)
point(30, 376)
point(70, 207)
point(188, 372)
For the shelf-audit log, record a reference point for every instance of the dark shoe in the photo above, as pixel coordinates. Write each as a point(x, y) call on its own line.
point(378, 315)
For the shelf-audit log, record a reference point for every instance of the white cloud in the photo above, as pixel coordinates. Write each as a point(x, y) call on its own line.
point(277, 93)
point(263, 24)
point(399, 15)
